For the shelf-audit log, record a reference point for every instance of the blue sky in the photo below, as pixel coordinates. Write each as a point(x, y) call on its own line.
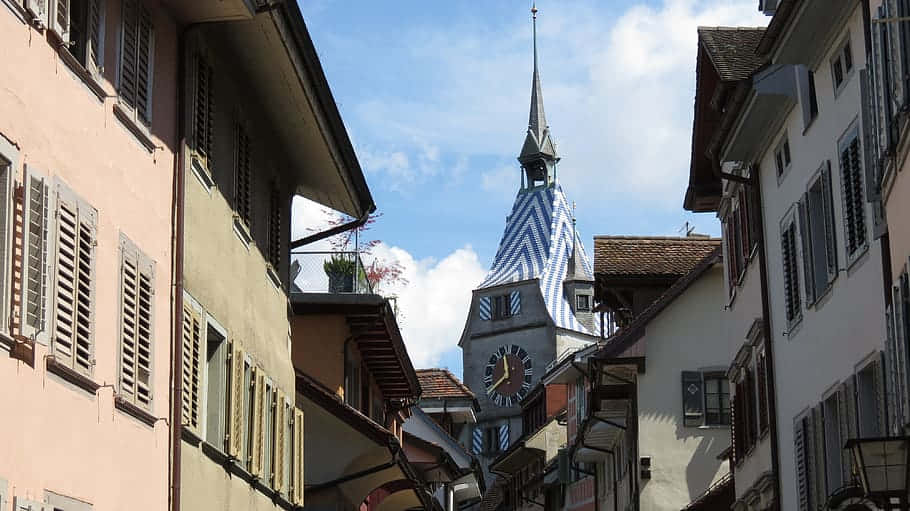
point(435, 97)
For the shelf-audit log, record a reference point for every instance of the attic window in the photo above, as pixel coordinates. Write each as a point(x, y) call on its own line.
point(583, 303)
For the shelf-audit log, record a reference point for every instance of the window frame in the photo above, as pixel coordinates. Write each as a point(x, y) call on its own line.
point(841, 56)
point(578, 305)
point(817, 205)
point(211, 324)
point(721, 377)
point(782, 151)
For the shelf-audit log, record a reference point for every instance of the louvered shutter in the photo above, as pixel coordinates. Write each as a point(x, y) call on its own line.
point(288, 451)
point(693, 398)
point(791, 283)
point(137, 59)
point(38, 10)
point(830, 237)
point(879, 389)
point(503, 436)
point(6, 235)
point(805, 236)
point(843, 416)
point(818, 455)
point(258, 407)
point(243, 176)
point(60, 19)
point(192, 346)
point(275, 226)
point(204, 107)
point(803, 474)
point(33, 311)
point(852, 417)
point(235, 403)
point(74, 283)
point(477, 440)
point(515, 302)
point(873, 188)
point(890, 372)
point(278, 444)
point(136, 291)
point(762, 368)
point(485, 308)
point(298, 479)
point(95, 14)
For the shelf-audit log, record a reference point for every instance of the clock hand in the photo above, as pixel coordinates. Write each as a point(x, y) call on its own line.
point(498, 382)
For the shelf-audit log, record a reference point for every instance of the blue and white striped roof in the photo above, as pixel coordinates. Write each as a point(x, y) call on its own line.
point(537, 244)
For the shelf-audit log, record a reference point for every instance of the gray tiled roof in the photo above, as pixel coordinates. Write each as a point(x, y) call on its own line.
point(732, 50)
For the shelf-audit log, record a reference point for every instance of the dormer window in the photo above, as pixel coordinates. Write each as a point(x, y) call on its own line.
point(582, 303)
point(501, 307)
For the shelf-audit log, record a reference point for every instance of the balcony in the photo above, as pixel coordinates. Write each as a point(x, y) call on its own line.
point(329, 272)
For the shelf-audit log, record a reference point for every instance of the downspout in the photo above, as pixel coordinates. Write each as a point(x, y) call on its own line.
point(177, 235)
point(769, 342)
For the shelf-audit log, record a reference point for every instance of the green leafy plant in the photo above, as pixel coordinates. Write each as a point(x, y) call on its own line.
point(339, 265)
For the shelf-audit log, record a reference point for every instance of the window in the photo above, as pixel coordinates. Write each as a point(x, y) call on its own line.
point(502, 307)
point(583, 303)
point(74, 283)
point(204, 112)
point(352, 389)
point(853, 195)
point(841, 65)
point(761, 369)
point(739, 236)
point(79, 24)
point(816, 215)
point(137, 288)
point(581, 397)
point(717, 400)
point(813, 97)
point(791, 284)
point(216, 362)
point(268, 430)
point(137, 51)
point(491, 440)
point(37, 215)
point(243, 177)
point(782, 157)
point(868, 388)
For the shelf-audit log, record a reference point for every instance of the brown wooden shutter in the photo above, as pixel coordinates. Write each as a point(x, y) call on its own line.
point(192, 345)
point(235, 402)
point(33, 321)
point(243, 176)
point(204, 110)
point(297, 469)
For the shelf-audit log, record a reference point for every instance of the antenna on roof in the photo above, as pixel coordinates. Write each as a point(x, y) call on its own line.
point(687, 228)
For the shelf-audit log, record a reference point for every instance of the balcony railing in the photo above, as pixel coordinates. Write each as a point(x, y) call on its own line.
point(328, 272)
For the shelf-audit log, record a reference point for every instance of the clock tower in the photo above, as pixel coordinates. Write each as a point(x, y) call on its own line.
point(536, 301)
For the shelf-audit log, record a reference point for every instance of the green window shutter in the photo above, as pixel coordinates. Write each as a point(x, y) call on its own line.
point(34, 318)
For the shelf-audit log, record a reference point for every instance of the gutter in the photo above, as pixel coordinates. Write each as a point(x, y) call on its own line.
point(338, 229)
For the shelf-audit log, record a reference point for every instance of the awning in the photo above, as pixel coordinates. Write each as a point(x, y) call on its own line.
point(347, 455)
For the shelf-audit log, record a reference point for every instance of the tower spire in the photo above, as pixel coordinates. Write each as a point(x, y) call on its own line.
point(538, 153)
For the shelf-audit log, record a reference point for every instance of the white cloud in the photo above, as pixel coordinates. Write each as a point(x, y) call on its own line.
point(618, 91)
point(434, 302)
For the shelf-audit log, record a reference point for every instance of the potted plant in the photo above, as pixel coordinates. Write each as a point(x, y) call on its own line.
point(340, 270)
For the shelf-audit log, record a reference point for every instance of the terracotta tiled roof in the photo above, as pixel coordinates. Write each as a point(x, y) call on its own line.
point(440, 383)
point(643, 256)
point(732, 50)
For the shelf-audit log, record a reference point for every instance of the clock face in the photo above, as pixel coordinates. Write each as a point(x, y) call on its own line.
point(507, 376)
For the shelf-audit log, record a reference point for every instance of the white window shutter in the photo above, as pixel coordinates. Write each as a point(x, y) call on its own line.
point(34, 316)
point(298, 456)
point(6, 249)
point(235, 402)
point(485, 308)
point(192, 354)
point(22, 504)
point(74, 282)
point(95, 14)
point(60, 19)
point(137, 274)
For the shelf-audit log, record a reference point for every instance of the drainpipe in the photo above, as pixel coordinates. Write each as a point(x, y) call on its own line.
point(177, 232)
point(450, 497)
point(769, 344)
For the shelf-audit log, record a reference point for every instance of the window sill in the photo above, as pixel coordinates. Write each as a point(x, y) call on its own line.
point(130, 409)
point(809, 126)
point(88, 78)
point(140, 132)
point(822, 299)
point(793, 327)
point(853, 262)
point(72, 376)
point(7, 342)
point(783, 175)
point(202, 174)
point(242, 231)
point(17, 10)
point(187, 434)
point(714, 426)
point(215, 454)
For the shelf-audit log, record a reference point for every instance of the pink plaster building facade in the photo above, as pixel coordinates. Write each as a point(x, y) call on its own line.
point(88, 94)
